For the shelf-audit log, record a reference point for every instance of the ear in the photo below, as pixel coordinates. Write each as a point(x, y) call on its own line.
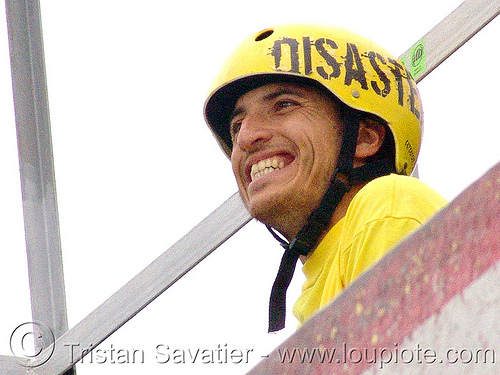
point(370, 138)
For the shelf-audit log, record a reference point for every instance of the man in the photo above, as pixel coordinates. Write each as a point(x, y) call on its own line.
point(323, 128)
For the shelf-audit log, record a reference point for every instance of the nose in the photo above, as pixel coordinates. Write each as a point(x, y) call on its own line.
point(254, 131)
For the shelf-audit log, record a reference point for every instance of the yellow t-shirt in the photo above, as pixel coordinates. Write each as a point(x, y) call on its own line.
point(380, 215)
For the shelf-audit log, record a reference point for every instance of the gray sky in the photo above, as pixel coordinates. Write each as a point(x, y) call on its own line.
point(136, 167)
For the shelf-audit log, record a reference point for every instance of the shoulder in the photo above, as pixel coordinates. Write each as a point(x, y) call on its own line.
point(396, 196)
point(382, 213)
point(398, 184)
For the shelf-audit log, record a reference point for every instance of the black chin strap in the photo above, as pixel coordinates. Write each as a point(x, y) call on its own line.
point(308, 237)
point(305, 241)
point(319, 220)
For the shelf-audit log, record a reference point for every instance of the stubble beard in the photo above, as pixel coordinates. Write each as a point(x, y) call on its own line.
point(286, 214)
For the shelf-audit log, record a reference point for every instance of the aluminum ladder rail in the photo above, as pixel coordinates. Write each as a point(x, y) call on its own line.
point(41, 222)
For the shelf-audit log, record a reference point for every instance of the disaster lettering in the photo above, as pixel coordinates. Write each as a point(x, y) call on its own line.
point(366, 68)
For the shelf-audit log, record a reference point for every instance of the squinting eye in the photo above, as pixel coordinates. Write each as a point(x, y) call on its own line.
point(285, 103)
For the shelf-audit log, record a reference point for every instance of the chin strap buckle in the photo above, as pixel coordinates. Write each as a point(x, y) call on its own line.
point(299, 246)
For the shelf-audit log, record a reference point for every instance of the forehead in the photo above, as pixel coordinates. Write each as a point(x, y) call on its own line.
point(271, 91)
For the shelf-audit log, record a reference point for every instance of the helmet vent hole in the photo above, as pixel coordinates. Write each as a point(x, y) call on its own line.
point(263, 35)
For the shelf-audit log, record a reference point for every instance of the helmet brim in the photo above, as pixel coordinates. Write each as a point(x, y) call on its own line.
point(220, 105)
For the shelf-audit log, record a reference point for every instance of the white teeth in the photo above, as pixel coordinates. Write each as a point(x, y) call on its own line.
point(264, 167)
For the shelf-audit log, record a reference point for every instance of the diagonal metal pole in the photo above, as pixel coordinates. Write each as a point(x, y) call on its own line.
point(10, 366)
point(449, 35)
point(169, 267)
point(48, 302)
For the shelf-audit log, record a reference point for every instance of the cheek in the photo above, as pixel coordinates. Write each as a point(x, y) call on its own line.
point(325, 141)
point(329, 138)
point(235, 165)
point(329, 148)
point(325, 147)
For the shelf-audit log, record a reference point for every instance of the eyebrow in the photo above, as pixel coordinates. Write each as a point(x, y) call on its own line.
point(271, 96)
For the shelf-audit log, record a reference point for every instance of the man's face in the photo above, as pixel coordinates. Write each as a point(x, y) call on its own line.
point(286, 140)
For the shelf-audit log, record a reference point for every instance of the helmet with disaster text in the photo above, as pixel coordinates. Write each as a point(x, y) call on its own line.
point(357, 71)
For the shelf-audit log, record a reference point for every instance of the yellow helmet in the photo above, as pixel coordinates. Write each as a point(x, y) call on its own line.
point(360, 73)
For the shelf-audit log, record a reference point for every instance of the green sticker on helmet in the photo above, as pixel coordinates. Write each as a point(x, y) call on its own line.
point(417, 61)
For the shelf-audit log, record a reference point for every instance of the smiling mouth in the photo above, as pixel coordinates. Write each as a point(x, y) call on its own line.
point(266, 166)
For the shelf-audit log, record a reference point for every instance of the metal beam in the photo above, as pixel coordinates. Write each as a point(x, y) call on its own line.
point(169, 267)
point(10, 366)
point(48, 301)
point(449, 35)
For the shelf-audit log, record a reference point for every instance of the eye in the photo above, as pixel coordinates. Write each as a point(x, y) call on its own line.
point(285, 104)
